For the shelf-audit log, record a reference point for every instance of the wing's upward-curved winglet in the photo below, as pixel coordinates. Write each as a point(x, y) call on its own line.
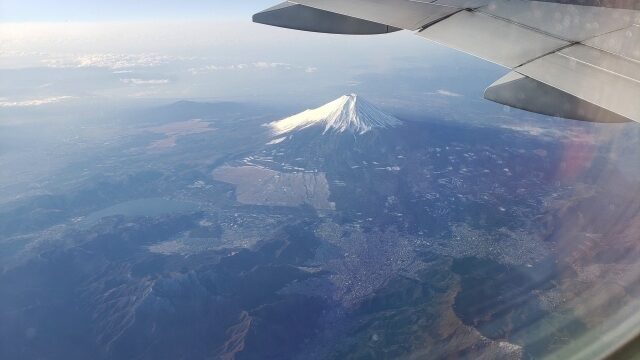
point(525, 93)
point(300, 17)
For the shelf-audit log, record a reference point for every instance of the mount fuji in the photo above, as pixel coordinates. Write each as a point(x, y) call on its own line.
point(347, 131)
point(349, 113)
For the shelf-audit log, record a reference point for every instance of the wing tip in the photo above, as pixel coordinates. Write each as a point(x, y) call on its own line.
point(522, 92)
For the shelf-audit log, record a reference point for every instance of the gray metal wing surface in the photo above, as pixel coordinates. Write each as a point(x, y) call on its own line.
point(576, 59)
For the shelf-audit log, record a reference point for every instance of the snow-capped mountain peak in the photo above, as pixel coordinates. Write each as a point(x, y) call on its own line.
point(349, 113)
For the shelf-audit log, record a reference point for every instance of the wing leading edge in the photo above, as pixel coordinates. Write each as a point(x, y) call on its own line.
point(567, 60)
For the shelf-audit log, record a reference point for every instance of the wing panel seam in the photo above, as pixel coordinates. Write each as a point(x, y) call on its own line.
point(598, 67)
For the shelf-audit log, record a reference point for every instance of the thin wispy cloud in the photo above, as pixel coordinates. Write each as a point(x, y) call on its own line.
point(6, 103)
point(447, 93)
point(135, 81)
point(551, 132)
point(260, 65)
point(110, 61)
point(273, 65)
point(212, 68)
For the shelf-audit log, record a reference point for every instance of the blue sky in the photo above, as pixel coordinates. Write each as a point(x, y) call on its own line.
point(127, 10)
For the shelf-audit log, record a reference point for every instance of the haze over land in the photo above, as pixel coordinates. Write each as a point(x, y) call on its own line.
point(165, 195)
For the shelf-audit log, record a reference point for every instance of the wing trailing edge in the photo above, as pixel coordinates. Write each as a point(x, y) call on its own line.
point(299, 17)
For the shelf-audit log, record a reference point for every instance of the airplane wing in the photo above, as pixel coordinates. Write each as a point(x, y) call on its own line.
point(576, 59)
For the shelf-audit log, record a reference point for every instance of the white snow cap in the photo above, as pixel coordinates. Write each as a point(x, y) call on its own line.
point(347, 113)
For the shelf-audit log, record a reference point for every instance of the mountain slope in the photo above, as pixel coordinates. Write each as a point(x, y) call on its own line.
point(348, 113)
